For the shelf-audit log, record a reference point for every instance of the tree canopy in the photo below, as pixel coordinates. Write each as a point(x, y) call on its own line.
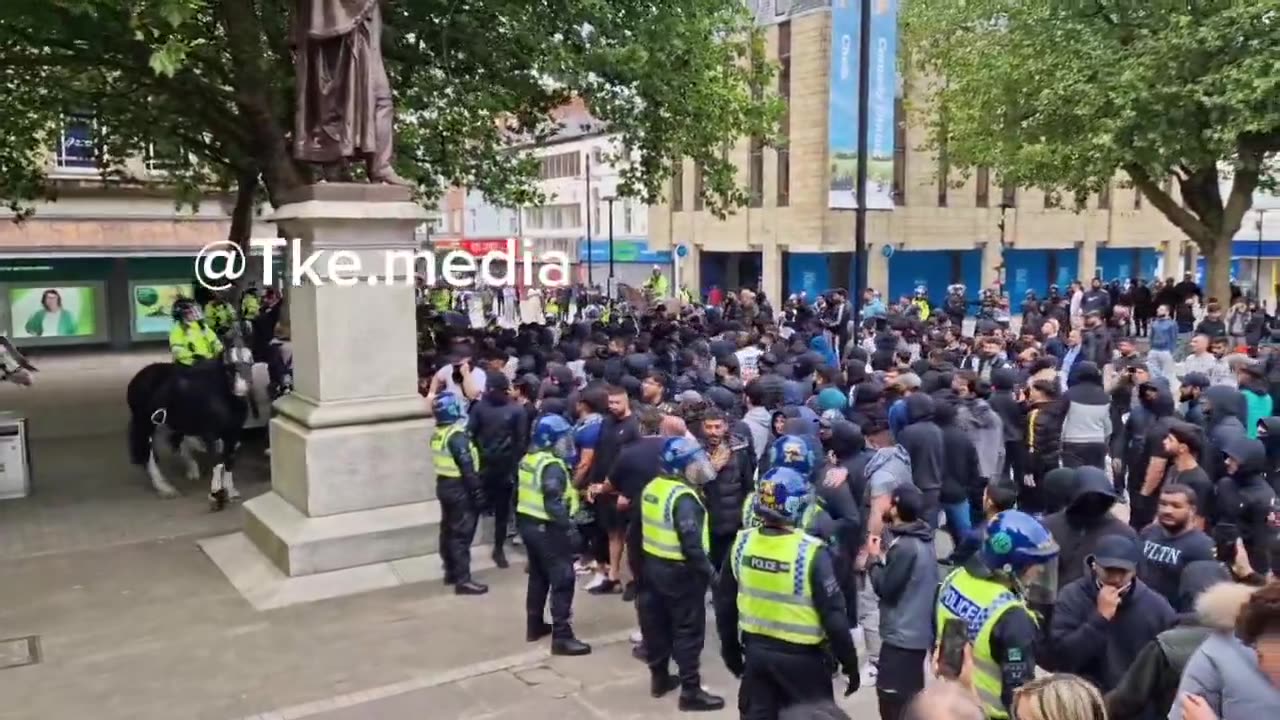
point(208, 86)
point(1065, 96)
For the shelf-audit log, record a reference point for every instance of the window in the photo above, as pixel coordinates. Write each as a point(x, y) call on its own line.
point(1082, 201)
point(75, 143)
point(626, 215)
point(756, 172)
point(784, 91)
point(514, 224)
point(561, 165)
point(597, 157)
point(554, 217)
point(455, 221)
point(944, 171)
point(163, 158)
point(595, 210)
point(698, 188)
point(899, 189)
point(472, 213)
point(677, 185)
point(1104, 197)
point(1009, 195)
point(984, 187)
point(1137, 198)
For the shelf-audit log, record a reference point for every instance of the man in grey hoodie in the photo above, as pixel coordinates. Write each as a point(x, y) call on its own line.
point(758, 418)
point(888, 469)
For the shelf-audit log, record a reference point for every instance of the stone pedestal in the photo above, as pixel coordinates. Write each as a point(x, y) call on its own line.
point(352, 503)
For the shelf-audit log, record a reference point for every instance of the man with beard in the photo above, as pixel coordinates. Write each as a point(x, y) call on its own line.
point(986, 360)
point(1095, 300)
point(653, 392)
point(1193, 384)
point(1172, 542)
point(618, 430)
point(1144, 432)
point(500, 428)
point(1096, 344)
point(1182, 448)
point(731, 457)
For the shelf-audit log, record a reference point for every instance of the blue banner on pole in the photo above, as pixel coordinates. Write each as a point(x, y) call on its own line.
point(842, 119)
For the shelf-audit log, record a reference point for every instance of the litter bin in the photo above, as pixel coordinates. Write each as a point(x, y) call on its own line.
point(15, 457)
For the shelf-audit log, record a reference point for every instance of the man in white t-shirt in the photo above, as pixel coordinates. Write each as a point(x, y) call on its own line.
point(447, 379)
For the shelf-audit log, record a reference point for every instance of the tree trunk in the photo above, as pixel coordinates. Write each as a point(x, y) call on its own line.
point(241, 231)
point(1217, 280)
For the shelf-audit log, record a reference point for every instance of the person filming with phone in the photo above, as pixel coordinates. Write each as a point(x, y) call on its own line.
point(993, 594)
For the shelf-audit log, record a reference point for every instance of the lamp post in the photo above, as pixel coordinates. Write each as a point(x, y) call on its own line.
point(1257, 263)
point(860, 189)
point(588, 204)
point(610, 200)
point(1000, 270)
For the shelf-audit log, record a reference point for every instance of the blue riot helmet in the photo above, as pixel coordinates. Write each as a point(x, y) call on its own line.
point(1020, 550)
point(794, 452)
point(683, 458)
point(447, 408)
point(555, 434)
point(782, 495)
point(185, 310)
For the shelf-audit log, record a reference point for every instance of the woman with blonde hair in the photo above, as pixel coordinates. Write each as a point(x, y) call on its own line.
point(1059, 697)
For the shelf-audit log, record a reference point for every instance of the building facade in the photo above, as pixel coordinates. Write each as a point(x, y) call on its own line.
point(945, 226)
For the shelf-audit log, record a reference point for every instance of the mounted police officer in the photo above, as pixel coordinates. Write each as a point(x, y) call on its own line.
point(191, 339)
point(220, 314)
point(677, 571)
point(461, 494)
point(546, 502)
point(779, 590)
point(1017, 565)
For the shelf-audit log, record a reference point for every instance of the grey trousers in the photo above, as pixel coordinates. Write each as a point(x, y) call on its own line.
point(869, 617)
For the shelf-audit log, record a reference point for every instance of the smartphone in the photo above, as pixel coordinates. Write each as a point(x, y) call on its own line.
point(955, 635)
point(1225, 536)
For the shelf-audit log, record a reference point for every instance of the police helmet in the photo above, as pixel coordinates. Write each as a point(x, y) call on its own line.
point(794, 452)
point(782, 495)
point(1019, 548)
point(447, 408)
point(183, 305)
point(553, 432)
point(685, 458)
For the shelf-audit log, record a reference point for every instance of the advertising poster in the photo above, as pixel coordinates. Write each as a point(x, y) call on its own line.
point(842, 118)
point(153, 305)
point(52, 312)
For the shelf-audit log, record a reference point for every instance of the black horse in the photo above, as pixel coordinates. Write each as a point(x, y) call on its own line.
point(207, 402)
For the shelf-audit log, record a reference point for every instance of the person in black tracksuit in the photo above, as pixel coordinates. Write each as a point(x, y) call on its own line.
point(732, 484)
point(1013, 419)
point(499, 426)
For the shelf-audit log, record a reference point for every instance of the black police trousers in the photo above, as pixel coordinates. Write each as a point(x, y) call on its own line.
point(500, 488)
point(550, 573)
point(774, 680)
point(672, 604)
point(458, 520)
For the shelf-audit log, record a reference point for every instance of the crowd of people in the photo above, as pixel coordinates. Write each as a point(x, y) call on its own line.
point(1107, 481)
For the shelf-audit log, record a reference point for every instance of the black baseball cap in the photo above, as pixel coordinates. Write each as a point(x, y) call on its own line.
point(909, 501)
point(1116, 552)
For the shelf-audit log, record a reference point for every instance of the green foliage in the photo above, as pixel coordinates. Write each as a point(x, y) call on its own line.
point(207, 87)
point(1066, 95)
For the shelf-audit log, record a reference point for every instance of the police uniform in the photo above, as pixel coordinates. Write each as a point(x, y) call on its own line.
point(458, 487)
point(780, 615)
point(676, 543)
point(1001, 630)
point(191, 341)
point(545, 505)
point(220, 315)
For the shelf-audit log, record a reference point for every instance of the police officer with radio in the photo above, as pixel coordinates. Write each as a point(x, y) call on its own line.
point(546, 502)
point(676, 544)
point(993, 593)
point(779, 590)
point(461, 494)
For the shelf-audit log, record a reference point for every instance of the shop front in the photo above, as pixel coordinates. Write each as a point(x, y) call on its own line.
point(633, 261)
point(91, 301)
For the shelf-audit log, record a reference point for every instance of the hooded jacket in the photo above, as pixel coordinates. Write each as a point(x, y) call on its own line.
point(498, 427)
point(759, 422)
point(1225, 410)
point(725, 494)
point(1100, 650)
point(986, 431)
point(868, 411)
point(961, 474)
point(922, 439)
point(1085, 406)
point(1150, 686)
point(821, 345)
point(1225, 672)
point(905, 581)
point(1257, 399)
point(1012, 417)
point(850, 449)
point(888, 468)
point(1246, 499)
point(1085, 521)
point(1271, 440)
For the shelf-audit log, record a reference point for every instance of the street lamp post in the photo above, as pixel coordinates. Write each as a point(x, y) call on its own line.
point(1257, 263)
point(860, 190)
point(588, 204)
point(610, 200)
point(1000, 271)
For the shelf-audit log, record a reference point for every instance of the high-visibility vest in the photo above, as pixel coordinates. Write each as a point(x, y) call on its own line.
point(750, 520)
point(219, 314)
point(250, 307)
point(530, 501)
point(657, 518)
point(446, 465)
point(192, 341)
point(980, 603)
point(775, 592)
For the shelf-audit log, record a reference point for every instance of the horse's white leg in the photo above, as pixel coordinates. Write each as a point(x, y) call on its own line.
point(216, 479)
point(228, 484)
point(162, 486)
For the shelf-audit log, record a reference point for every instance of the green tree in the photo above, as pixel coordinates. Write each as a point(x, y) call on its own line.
point(1066, 95)
point(207, 86)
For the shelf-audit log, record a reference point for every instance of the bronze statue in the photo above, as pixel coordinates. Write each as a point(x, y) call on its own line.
point(344, 109)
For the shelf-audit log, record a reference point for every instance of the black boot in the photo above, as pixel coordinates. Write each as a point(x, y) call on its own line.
point(699, 700)
point(569, 646)
point(536, 630)
point(662, 683)
point(470, 587)
point(500, 558)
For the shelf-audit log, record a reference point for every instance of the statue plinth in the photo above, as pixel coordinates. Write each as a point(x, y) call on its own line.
point(352, 505)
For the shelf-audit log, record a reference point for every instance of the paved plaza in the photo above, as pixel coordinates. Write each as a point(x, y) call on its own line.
point(131, 621)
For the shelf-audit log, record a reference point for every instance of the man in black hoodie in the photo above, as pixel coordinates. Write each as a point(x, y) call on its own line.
point(1103, 619)
point(922, 439)
point(869, 412)
point(1013, 420)
point(961, 477)
point(1247, 500)
point(498, 426)
point(1224, 412)
point(1086, 520)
